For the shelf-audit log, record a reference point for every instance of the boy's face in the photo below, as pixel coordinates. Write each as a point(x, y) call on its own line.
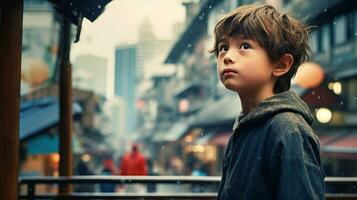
point(243, 65)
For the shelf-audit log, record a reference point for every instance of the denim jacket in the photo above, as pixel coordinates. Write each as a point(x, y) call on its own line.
point(273, 154)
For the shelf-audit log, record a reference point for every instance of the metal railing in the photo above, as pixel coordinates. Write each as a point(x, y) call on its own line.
point(31, 183)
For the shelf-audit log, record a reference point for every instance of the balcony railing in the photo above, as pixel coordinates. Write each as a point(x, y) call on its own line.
point(31, 183)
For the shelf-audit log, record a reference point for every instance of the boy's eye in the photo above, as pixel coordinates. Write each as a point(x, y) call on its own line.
point(222, 48)
point(245, 46)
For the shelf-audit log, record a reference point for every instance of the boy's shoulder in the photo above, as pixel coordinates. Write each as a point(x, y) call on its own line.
point(287, 123)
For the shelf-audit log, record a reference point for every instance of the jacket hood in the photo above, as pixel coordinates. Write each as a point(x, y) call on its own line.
point(287, 101)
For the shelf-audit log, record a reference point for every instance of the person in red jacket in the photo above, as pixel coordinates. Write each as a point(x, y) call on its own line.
point(133, 163)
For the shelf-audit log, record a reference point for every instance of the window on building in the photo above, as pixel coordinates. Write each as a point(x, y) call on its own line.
point(320, 39)
point(325, 37)
point(340, 30)
point(350, 26)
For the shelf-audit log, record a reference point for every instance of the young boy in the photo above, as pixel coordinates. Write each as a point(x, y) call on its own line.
point(273, 152)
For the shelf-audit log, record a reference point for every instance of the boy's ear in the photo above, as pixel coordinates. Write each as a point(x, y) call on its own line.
point(283, 65)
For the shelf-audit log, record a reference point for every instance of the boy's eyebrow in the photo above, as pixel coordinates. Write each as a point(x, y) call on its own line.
point(240, 37)
point(223, 39)
point(243, 37)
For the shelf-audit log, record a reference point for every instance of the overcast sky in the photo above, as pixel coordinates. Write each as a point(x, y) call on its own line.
point(119, 24)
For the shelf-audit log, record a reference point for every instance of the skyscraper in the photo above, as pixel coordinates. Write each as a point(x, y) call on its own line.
point(125, 81)
point(149, 47)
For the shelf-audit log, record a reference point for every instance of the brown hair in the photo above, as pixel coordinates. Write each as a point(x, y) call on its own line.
point(278, 33)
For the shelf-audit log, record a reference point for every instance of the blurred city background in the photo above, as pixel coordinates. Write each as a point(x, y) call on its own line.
point(143, 78)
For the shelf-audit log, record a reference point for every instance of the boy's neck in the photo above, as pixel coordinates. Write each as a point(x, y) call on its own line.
point(251, 100)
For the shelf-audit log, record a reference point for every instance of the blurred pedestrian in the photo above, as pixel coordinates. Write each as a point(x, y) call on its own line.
point(83, 170)
point(198, 170)
point(133, 164)
point(151, 187)
point(108, 170)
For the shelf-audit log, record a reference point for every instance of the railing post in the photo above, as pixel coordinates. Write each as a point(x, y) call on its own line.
point(31, 191)
point(11, 12)
point(65, 90)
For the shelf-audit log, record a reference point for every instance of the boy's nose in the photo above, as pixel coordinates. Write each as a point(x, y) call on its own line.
point(227, 59)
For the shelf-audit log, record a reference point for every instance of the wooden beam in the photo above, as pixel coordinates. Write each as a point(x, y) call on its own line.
point(65, 81)
point(11, 12)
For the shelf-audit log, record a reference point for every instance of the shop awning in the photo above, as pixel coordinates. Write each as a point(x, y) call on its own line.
point(48, 143)
point(74, 9)
point(174, 133)
point(218, 112)
point(185, 89)
point(214, 138)
point(158, 136)
point(344, 146)
point(39, 115)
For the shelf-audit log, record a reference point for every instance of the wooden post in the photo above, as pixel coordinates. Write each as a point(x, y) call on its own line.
point(11, 12)
point(65, 90)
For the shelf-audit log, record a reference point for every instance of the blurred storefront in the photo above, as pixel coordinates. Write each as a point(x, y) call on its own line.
point(334, 48)
point(39, 121)
point(39, 137)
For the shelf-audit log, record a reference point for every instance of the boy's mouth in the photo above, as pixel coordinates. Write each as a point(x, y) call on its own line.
point(229, 72)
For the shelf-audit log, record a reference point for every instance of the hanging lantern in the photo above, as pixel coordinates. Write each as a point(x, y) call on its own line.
point(36, 72)
point(309, 75)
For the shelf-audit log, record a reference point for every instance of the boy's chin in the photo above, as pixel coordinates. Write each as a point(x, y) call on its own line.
point(232, 88)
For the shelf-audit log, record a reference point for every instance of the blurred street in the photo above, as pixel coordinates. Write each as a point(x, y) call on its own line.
point(139, 95)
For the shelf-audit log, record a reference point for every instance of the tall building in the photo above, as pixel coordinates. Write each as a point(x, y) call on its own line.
point(125, 82)
point(90, 73)
point(149, 47)
point(130, 61)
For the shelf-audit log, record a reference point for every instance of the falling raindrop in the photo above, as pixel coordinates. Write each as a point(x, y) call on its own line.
point(325, 10)
point(99, 6)
point(319, 97)
point(210, 6)
point(341, 103)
